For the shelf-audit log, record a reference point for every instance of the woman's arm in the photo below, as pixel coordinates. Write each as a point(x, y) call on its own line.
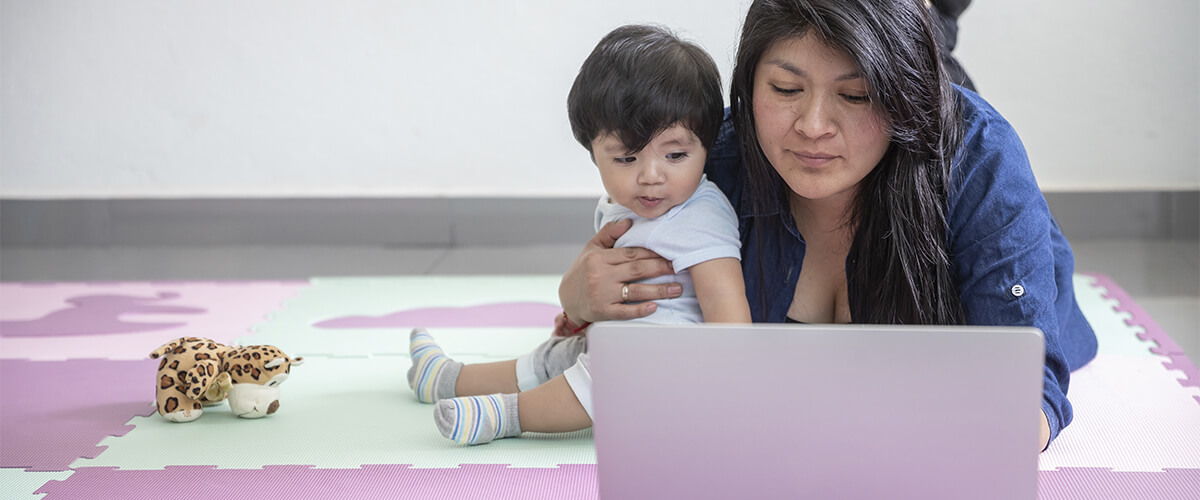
point(1001, 235)
point(591, 288)
point(721, 290)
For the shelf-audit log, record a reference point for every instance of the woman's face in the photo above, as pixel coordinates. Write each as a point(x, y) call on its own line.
point(814, 119)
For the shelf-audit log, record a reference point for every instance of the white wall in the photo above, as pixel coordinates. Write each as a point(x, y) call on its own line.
point(258, 98)
point(1105, 94)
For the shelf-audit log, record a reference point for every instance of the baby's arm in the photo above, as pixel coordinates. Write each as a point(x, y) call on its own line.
point(721, 290)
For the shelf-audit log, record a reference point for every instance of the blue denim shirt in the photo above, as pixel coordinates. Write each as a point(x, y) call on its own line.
point(1011, 261)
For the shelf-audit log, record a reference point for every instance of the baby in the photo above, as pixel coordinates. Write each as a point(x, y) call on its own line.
point(647, 106)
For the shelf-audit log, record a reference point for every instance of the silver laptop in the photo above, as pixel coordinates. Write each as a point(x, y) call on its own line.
point(816, 411)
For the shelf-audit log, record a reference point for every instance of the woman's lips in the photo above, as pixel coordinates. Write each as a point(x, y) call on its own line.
point(810, 159)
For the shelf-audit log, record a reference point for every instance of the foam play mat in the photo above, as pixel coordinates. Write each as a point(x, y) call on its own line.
point(77, 393)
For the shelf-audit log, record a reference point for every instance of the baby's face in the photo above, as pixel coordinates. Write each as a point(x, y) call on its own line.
point(663, 174)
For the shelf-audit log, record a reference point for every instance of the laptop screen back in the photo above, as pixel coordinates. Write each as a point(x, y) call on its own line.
point(815, 411)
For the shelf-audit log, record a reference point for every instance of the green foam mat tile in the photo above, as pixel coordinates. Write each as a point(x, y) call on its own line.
point(19, 483)
point(1113, 334)
point(334, 413)
point(294, 328)
point(503, 316)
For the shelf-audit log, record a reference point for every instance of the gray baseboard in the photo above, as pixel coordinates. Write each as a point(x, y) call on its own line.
point(408, 222)
point(442, 222)
point(1127, 214)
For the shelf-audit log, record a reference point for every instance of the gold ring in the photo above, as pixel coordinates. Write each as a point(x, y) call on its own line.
point(625, 293)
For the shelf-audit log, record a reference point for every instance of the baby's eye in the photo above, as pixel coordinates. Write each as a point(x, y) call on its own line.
point(624, 159)
point(678, 155)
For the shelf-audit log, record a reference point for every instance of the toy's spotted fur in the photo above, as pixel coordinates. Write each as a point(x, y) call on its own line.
point(251, 365)
point(197, 372)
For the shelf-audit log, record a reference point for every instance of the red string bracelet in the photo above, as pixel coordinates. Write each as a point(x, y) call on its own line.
point(571, 326)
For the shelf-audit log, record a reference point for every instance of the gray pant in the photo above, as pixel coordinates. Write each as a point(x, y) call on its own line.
point(549, 360)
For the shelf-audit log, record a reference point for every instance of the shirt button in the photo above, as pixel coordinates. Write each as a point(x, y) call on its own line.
point(1018, 290)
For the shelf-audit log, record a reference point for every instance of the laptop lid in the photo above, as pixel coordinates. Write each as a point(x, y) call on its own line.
point(815, 411)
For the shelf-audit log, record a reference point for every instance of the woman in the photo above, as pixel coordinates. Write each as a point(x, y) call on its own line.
point(869, 190)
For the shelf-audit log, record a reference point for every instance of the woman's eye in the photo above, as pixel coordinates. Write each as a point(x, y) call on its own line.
point(676, 156)
point(783, 91)
point(856, 99)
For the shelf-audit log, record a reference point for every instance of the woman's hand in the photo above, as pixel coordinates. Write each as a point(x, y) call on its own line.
point(1043, 433)
point(591, 288)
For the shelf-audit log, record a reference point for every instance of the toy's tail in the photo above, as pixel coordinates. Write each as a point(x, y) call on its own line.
point(165, 348)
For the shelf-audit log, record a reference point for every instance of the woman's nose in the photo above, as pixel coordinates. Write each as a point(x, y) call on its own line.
point(814, 119)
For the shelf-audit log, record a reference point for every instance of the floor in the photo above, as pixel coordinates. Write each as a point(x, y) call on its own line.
point(1163, 276)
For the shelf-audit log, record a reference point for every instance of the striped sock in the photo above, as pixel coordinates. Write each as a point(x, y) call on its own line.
point(432, 375)
point(478, 419)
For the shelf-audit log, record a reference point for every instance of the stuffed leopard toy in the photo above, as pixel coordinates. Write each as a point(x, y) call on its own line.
point(197, 372)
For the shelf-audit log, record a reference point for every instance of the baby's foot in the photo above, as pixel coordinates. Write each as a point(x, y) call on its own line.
point(478, 419)
point(432, 375)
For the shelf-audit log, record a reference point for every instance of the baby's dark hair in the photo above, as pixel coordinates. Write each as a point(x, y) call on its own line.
point(641, 80)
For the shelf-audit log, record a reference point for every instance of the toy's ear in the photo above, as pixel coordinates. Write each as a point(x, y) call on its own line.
point(280, 361)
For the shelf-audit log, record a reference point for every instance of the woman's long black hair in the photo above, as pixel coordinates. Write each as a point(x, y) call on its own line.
point(902, 269)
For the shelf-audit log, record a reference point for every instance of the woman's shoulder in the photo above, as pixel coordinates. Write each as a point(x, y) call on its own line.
point(990, 146)
point(983, 126)
point(725, 147)
point(724, 163)
point(992, 167)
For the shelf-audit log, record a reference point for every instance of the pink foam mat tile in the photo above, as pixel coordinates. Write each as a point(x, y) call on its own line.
point(55, 412)
point(55, 321)
point(1181, 363)
point(566, 482)
point(1102, 483)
